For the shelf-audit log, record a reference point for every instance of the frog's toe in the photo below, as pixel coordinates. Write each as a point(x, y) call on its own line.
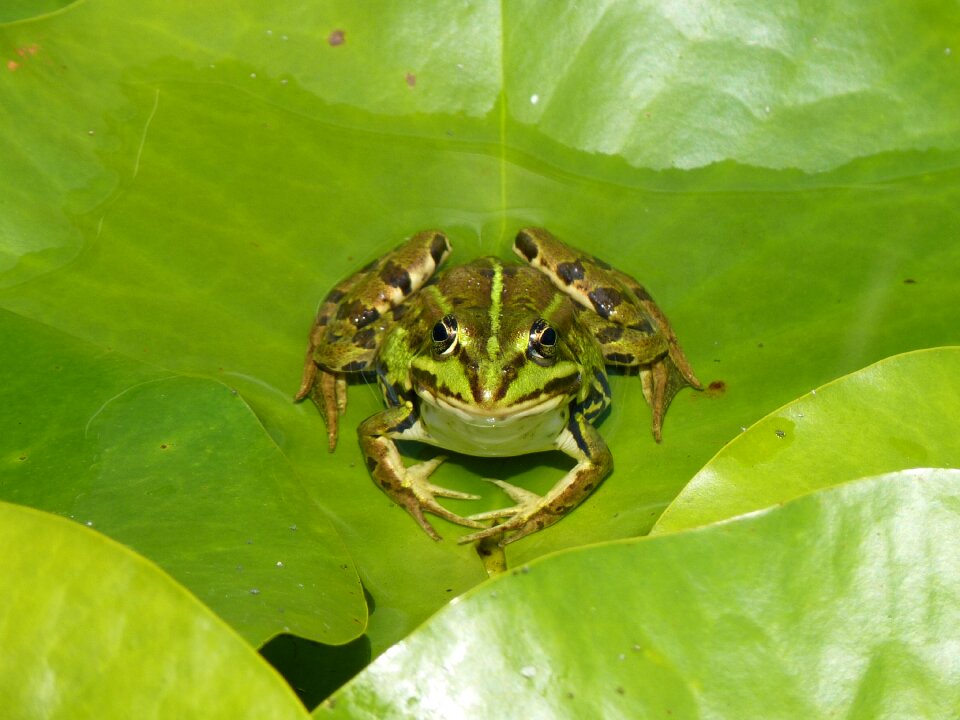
point(520, 525)
point(419, 504)
point(440, 511)
point(423, 493)
point(495, 514)
point(438, 491)
point(417, 478)
point(416, 511)
point(525, 500)
point(517, 517)
point(521, 496)
point(489, 532)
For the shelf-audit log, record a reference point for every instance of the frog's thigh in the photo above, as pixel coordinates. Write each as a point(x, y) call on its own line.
point(632, 346)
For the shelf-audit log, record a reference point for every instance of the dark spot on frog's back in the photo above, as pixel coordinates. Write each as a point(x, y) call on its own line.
point(358, 313)
point(396, 276)
point(526, 245)
point(610, 334)
point(365, 339)
point(569, 272)
point(605, 300)
point(334, 296)
point(643, 326)
point(642, 294)
point(438, 246)
point(619, 358)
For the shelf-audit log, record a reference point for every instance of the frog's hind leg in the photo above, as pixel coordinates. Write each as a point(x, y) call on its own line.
point(661, 381)
point(354, 317)
point(329, 393)
point(663, 378)
point(326, 388)
point(654, 352)
point(630, 328)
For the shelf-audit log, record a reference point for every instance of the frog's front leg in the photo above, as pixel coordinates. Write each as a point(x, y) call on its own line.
point(581, 441)
point(409, 487)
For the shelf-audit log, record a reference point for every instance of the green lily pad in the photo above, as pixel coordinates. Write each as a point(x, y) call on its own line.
point(13, 10)
point(92, 630)
point(898, 413)
point(843, 603)
point(183, 181)
point(179, 469)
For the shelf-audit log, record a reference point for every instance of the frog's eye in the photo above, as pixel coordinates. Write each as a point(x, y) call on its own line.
point(543, 340)
point(445, 335)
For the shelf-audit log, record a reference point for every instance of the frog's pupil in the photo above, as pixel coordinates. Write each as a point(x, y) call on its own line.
point(549, 337)
point(439, 332)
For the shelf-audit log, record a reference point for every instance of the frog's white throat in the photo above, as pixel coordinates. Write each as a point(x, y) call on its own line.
point(532, 426)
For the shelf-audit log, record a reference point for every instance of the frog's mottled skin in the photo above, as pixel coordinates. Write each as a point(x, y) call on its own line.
point(490, 359)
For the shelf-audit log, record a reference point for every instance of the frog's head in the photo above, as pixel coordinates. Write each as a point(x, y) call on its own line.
point(514, 363)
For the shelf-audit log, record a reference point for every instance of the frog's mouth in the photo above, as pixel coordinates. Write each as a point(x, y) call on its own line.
point(473, 411)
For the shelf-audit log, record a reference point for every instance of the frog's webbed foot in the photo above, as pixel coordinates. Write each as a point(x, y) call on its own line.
point(328, 390)
point(520, 520)
point(662, 380)
point(416, 494)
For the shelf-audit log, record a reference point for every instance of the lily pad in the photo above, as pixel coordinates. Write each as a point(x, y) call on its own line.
point(898, 413)
point(179, 469)
point(843, 603)
point(183, 181)
point(13, 10)
point(103, 633)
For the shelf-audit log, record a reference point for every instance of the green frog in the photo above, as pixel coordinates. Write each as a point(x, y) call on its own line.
point(489, 359)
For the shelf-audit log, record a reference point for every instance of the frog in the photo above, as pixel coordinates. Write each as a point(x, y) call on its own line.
point(491, 359)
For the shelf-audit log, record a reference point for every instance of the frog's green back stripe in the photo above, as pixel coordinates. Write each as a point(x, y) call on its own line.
point(496, 308)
